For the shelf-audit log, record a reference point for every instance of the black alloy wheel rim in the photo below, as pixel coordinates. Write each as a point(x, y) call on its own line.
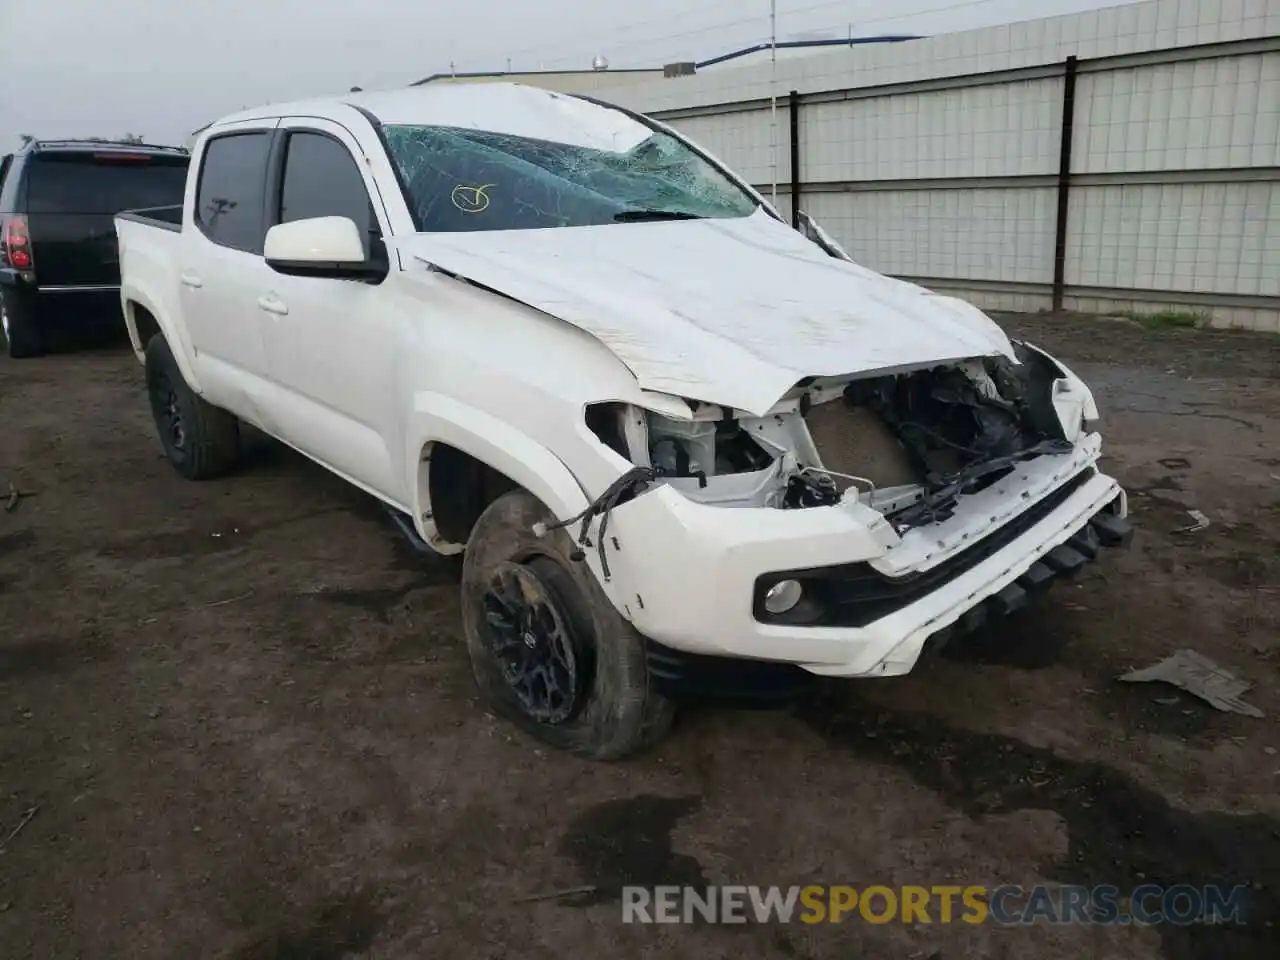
point(530, 636)
point(169, 412)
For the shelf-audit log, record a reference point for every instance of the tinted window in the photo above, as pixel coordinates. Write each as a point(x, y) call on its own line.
point(104, 182)
point(232, 187)
point(5, 163)
point(321, 179)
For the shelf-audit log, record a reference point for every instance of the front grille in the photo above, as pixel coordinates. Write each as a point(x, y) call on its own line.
point(856, 594)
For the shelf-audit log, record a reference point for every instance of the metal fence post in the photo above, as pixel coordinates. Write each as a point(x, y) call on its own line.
point(793, 114)
point(1064, 181)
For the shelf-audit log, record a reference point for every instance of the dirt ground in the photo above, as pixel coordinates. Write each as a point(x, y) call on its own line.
point(243, 716)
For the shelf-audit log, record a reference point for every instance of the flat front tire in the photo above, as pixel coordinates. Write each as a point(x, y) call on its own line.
point(548, 650)
point(200, 440)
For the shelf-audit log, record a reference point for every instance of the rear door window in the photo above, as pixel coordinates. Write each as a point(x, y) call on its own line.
point(232, 190)
point(103, 183)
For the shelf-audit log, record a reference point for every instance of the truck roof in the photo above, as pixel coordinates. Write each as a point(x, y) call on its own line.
point(99, 146)
point(512, 108)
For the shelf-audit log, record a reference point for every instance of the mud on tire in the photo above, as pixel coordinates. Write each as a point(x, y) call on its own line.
point(200, 440)
point(548, 650)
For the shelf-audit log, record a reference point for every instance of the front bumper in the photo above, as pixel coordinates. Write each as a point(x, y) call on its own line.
point(686, 574)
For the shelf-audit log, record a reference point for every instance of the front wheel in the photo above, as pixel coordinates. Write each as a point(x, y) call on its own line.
point(548, 650)
point(200, 440)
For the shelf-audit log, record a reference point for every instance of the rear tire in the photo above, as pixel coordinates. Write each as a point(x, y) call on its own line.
point(22, 334)
point(548, 650)
point(200, 440)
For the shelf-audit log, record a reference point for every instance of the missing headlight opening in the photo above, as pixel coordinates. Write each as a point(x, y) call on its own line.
point(907, 444)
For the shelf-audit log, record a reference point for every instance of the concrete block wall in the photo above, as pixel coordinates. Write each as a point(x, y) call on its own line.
point(938, 159)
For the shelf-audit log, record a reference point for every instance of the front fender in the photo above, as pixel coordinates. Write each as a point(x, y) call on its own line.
point(441, 419)
point(1073, 401)
point(1089, 403)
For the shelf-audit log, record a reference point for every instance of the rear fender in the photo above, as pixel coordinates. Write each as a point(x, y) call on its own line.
point(133, 296)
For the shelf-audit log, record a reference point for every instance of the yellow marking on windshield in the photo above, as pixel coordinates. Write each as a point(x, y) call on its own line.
point(471, 199)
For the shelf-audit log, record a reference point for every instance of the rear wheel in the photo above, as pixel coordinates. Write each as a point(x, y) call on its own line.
point(200, 440)
point(548, 650)
point(22, 334)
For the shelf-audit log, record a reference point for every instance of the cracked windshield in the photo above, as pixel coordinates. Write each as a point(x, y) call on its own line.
point(584, 173)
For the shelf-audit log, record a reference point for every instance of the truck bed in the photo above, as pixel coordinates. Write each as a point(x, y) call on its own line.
point(166, 218)
point(148, 241)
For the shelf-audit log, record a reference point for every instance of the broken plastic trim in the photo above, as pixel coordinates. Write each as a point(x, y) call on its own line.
point(856, 594)
point(706, 450)
point(631, 483)
point(956, 427)
point(964, 425)
point(939, 503)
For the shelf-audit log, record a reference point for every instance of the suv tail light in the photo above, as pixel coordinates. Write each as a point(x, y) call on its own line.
point(15, 243)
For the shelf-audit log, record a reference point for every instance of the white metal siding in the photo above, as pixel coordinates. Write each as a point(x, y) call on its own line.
point(1207, 114)
point(1206, 129)
point(956, 234)
point(971, 132)
point(1194, 237)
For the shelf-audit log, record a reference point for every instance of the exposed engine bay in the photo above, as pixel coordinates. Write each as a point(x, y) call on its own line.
point(906, 444)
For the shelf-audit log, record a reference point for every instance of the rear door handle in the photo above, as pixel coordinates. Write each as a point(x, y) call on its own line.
point(191, 280)
point(273, 304)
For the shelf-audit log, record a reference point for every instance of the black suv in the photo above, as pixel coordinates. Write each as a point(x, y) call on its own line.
point(58, 256)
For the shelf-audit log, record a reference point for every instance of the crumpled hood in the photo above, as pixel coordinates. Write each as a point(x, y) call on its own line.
point(727, 311)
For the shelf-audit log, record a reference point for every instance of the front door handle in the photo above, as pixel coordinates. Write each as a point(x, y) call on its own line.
point(273, 304)
point(191, 280)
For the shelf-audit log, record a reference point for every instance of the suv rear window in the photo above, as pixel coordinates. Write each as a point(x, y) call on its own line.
point(103, 183)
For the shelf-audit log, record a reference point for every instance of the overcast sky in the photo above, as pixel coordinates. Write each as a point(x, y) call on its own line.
point(165, 67)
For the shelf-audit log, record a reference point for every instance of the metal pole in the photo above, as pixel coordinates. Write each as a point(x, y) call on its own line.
point(773, 94)
point(1069, 70)
point(794, 117)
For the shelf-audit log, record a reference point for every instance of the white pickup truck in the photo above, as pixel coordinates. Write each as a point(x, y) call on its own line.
point(674, 439)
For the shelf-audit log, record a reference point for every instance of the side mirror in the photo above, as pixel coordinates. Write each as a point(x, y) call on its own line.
point(321, 247)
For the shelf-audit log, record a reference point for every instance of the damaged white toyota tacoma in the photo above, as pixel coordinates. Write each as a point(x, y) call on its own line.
point(676, 441)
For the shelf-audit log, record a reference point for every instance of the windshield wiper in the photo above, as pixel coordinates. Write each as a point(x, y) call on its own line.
point(635, 216)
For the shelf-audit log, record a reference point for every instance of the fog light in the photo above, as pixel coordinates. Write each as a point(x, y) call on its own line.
point(783, 595)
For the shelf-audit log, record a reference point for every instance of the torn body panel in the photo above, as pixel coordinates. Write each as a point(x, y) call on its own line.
point(706, 593)
point(908, 445)
point(861, 517)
